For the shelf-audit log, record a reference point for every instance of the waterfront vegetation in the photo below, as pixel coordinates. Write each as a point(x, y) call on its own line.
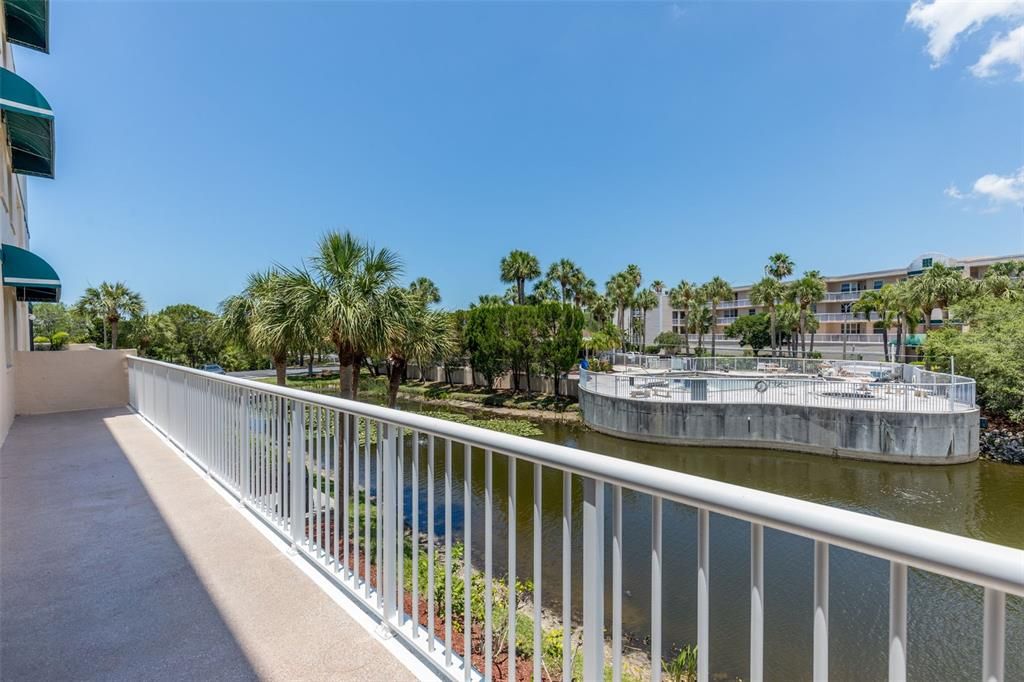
point(349, 303)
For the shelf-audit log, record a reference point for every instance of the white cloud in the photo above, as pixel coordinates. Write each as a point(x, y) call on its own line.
point(1001, 188)
point(996, 190)
point(1005, 49)
point(945, 20)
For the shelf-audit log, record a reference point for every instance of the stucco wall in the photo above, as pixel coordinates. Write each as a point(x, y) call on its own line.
point(63, 381)
point(860, 434)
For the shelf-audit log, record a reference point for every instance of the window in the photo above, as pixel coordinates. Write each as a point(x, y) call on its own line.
point(850, 328)
point(753, 311)
point(846, 287)
point(846, 307)
point(926, 262)
point(877, 284)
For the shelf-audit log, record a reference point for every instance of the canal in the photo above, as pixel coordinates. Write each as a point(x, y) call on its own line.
point(982, 500)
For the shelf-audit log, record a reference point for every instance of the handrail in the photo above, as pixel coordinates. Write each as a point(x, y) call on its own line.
point(887, 539)
point(211, 418)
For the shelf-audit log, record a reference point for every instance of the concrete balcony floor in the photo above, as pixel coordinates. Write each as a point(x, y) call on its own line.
point(119, 562)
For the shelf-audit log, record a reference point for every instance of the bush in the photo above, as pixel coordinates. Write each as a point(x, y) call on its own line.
point(59, 341)
point(814, 355)
point(41, 340)
point(990, 350)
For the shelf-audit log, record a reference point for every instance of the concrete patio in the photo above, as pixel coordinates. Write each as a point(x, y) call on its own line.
point(119, 562)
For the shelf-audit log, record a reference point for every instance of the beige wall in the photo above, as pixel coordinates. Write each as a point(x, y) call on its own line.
point(61, 381)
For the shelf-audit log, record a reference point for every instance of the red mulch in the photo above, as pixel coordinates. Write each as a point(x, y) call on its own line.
point(524, 665)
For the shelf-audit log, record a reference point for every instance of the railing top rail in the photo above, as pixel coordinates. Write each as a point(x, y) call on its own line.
point(963, 558)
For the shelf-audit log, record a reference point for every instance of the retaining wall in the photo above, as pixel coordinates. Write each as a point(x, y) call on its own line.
point(860, 434)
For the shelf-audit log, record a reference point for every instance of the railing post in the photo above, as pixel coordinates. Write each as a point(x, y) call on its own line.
point(386, 502)
point(820, 670)
point(298, 474)
point(994, 642)
point(246, 449)
point(593, 579)
point(897, 622)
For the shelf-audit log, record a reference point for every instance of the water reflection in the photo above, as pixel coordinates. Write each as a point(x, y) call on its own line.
point(981, 500)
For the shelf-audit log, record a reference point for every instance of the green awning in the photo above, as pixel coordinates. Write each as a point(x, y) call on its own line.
point(32, 277)
point(915, 339)
point(29, 121)
point(28, 23)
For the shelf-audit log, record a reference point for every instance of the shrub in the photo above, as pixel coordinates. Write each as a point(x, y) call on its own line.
point(59, 340)
point(41, 340)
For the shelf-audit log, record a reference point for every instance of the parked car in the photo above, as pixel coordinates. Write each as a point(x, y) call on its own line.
point(214, 368)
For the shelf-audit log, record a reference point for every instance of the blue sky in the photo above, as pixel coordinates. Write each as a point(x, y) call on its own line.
point(197, 141)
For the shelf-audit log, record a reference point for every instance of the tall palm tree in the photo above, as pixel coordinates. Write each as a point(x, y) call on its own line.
point(353, 288)
point(939, 287)
point(565, 274)
point(700, 319)
point(767, 293)
point(112, 303)
point(789, 321)
point(421, 334)
point(545, 290)
point(904, 302)
point(681, 297)
point(657, 286)
point(874, 301)
point(780, 266)
point(805, 292)
point(717, 290)
point(425, 288)
point(518, 267)
point(264, 320)
point(621, 289)
point(633, 273)
point(645, 300)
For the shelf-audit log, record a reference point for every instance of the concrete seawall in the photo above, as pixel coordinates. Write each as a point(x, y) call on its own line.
point(860, 434)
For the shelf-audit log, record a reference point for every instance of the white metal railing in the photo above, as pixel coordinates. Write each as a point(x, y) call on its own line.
point(839, 384)
point(298, 460)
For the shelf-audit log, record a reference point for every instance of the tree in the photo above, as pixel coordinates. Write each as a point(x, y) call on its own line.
point(939, 287)
point(565, 275)
point(780, 266)
point(767, 294)
point(560, 335)
point(681, 298)
point(184, 334)
point(113, 303)
point(620, 290)
point(352, 290)
point(806, 292)
point(871, 301)
point(990, 350)
point(751, 330)
point(669, 340)
point(424, 334)
point(425, 288)
point(657, 286)
point(645, 300)
point(717, 290)
point(486, 342)
point(518, 267)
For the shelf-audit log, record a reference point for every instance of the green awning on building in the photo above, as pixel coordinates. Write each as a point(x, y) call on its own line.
point(29, 120)
point(915, 339)
point(28, 23)
point(32, 277)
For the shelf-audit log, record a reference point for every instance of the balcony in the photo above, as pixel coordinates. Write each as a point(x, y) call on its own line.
point(198, 532)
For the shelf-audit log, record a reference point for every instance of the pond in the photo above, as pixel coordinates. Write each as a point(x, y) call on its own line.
point(982, 500)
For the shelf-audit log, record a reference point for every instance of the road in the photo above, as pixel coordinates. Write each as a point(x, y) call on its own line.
point(292, 371)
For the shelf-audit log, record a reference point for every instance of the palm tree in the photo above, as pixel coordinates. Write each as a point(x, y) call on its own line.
point(780, 266)
point(805, 292)
point(717, 290)
point(700, 319)
point(645, 300)
point(621, 289)
point(584, 291)
point(422, 334)
point(633, 273)
point(939, 287)
point(904, 302)
point(789, 321)
point(518, 267)
point(767, 293)
point(566, 275)
point(544, 290)
point(353, 289)
point(657, 286)
point(879, 302)
point(681, 297)
point(425, 288)
point(264, 319)
point(112, 303)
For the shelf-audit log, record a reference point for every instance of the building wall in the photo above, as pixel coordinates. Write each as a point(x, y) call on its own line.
point(14, 321)
point(65, 381)
point(833, 313)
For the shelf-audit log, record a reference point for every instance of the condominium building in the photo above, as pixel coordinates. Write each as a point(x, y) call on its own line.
point(837, 321)
point(26, 123)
